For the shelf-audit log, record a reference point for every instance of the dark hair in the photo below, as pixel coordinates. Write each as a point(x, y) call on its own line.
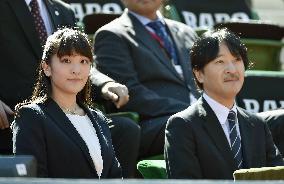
point(206, 48)
point(63, 42)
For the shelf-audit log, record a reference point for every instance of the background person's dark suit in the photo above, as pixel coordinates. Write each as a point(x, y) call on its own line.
point(275, 122)
point(126, 52)
point(196, 146)
point(21, 52)
point(44, 131)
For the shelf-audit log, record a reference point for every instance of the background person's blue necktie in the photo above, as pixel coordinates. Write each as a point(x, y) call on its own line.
point(235, 140)
point(161, 31)
point(39, 24)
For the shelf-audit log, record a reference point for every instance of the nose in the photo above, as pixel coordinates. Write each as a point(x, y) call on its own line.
point(231, 67)
point(76, 69)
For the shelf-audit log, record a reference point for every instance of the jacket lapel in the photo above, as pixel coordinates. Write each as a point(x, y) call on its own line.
point(183, 55)
point(54, 13)
point(215, 131)
point(137, 30)
point(62, 121)
point(102, 139)
point(25, 19)
point(246, 131)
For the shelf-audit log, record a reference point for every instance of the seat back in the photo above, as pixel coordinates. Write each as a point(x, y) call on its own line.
point(262, 91)
point(263, 41)
point(152, 169)
point(94, 21)
point(18, 166)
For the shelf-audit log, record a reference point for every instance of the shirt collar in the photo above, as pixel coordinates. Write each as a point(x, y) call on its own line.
point(145, 20)
point(220, 110)
point(28, 2)
point(40, 4)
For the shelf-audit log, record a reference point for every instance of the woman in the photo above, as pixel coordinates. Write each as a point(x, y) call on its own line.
point(68, 139)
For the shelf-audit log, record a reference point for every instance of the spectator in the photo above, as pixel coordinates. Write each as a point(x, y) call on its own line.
point(149, 54)
point(214, 137)
point(21, 52)
point(275, 121)
point(68, 139)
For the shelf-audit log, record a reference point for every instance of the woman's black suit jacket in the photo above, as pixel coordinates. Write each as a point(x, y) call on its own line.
point(43, 130)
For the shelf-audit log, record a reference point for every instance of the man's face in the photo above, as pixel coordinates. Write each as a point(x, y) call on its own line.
point(143, 7)
point(223, 77)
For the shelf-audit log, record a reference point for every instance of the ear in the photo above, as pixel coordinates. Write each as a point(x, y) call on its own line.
point(46, 68)
point(199, 75)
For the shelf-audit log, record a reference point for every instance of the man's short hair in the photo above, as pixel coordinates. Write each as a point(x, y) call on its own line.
point(206, 48)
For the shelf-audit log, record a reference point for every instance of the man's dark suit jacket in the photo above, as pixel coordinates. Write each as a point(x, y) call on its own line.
point(21, 52)
point(126, 52)
point(275, 121)
point(43, 130)
point(196, 146)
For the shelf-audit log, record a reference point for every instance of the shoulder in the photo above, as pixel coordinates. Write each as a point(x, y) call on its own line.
point(272, 115)
point(187, 117)
point(252, 118)
point(180, 26)
point(32, 109)
point(248, 114)
point(115, 26)
point(30, 115)
point(121, 26)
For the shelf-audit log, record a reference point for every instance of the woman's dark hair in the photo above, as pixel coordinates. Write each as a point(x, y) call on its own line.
point(63, 42)
point(206, 48)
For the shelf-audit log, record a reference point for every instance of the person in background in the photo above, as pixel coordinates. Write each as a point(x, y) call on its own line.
point(275, 121)
point(27, 25)
point(148, 54)
point(214, 137)
point(57, 125)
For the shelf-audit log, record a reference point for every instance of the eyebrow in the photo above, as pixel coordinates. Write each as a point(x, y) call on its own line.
point(219, 55)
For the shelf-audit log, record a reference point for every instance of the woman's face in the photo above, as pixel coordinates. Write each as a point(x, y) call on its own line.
point(68, 74)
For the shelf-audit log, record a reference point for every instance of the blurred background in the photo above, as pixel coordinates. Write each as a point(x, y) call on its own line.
point(260, 23)
point(271, 10)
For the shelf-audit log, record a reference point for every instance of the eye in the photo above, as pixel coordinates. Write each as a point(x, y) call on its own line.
point(237, 59)
point(85, 61)
point(65, 60)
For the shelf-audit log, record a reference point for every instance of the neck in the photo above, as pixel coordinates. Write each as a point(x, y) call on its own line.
point(226, 101)
point(65, 101)
point(151, 16)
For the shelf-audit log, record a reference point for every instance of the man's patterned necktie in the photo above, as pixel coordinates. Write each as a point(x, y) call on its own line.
point(39, 24)
point(236, 146)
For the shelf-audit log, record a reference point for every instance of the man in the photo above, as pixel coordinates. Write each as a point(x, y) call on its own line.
point(24, 28)
point(275, 121)
point(149, 55)
point(214, 137)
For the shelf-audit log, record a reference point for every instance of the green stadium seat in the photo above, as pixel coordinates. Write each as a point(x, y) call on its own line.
point(152, 169)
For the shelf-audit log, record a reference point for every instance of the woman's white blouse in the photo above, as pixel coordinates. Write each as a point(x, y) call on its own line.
point(88, 133)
